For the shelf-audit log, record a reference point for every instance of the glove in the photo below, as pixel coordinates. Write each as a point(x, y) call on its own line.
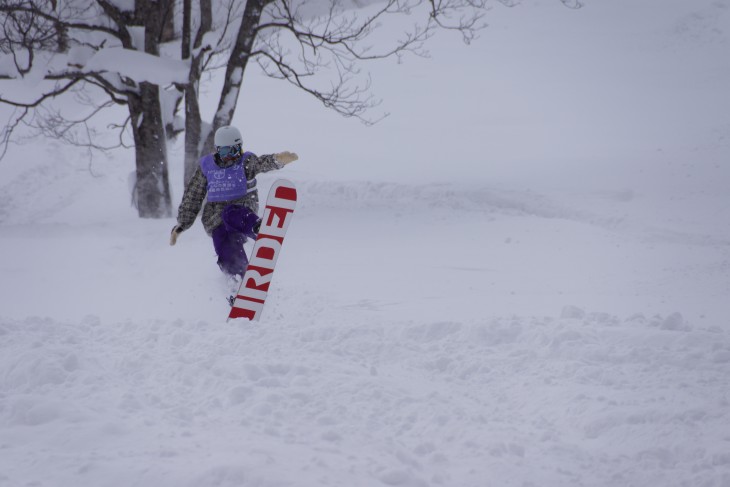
point(286, 157)
point(176, 230)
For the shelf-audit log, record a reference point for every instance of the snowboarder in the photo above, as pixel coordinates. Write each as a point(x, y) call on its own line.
point(230, 216)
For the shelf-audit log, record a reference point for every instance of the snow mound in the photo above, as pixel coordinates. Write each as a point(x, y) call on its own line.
point(449, 196)
point(591, 399)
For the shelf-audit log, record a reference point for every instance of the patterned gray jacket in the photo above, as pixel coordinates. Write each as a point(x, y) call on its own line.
point(197, 188)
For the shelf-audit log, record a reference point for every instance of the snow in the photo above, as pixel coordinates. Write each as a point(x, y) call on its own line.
point(139, 66)
point(123, 5)
point(520, 280)
point(593, 401)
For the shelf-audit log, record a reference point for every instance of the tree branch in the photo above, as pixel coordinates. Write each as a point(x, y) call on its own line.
point(9, 9)
point(42, 98)
point(7, 132)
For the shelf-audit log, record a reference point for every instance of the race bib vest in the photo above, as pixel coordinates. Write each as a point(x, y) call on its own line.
point(224, 183)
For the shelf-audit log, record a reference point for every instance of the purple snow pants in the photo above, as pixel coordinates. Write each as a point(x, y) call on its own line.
point(228, 238)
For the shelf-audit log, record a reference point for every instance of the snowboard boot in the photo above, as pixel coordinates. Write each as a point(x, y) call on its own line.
point(255, 229)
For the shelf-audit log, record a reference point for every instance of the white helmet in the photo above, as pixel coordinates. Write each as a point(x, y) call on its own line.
point(227, 136)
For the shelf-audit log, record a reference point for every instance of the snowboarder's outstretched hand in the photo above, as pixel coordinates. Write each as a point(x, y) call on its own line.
point(286, 157)
point(176, 230)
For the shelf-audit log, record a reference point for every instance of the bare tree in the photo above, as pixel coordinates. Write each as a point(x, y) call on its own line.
point(318, 47)
point(107, 53)
point(73, 47)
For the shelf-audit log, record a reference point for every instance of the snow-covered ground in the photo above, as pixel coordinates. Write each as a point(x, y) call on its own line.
point(521, 279)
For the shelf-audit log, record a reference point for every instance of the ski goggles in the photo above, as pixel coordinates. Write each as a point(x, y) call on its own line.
point(229, 151)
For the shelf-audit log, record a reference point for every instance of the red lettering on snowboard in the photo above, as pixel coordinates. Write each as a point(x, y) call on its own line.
point(278, 213)
point(287, 193)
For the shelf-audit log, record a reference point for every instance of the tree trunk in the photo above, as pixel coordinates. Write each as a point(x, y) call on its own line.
point(166, 9)
point(193, 121)
point(186, 28)
point(236, 67)
point(206, 20)
point(152, 187)
point(193, 128)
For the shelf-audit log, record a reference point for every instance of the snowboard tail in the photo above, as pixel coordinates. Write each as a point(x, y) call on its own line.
point(278, 213)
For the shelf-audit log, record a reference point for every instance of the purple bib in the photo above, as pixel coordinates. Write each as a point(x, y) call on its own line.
point(224, 183)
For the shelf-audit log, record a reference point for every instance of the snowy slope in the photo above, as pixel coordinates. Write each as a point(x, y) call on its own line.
point(520, 281)
point(355, 398)
point(513, 346)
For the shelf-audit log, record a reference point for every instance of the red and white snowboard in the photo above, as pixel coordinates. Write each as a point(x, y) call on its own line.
point(280, 204)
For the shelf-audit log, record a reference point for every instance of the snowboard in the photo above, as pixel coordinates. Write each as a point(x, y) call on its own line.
point(251, 296)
